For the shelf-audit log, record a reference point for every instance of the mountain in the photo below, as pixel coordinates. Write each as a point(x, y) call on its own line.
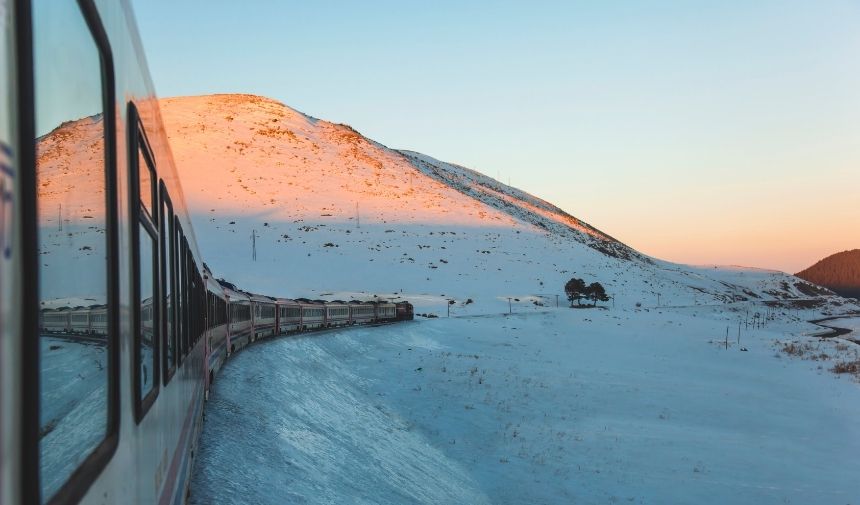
point(838, 272)
point(335, 214)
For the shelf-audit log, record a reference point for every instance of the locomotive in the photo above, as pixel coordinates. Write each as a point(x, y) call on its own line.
point(112, 328)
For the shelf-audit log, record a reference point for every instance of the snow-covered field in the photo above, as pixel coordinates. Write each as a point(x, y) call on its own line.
point(559, 406)
point(73, 405)
point(851, 323)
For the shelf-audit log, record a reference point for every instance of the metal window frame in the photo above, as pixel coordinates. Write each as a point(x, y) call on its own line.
point(139, 144)
point(168, 253)
point(179, 292)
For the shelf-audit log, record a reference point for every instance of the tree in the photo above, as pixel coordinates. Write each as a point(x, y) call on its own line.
point(596, 293)
point(575, 290)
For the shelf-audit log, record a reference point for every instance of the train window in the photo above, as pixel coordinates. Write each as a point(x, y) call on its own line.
point(167, 282)
point(180, 291)
point(146, 324)
point(75, 181)
point(146, 182)
point(186, 297)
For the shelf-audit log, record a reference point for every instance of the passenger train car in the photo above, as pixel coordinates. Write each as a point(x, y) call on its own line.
point(100, 271)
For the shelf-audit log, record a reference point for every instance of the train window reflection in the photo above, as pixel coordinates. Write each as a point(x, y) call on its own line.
point(73, 244)
point(167, 286)
point(147, 183)
point(146, 342)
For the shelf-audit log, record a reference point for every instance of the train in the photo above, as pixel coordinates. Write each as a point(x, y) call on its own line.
point(112, 327)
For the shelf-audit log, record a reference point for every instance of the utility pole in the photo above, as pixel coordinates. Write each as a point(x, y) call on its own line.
point(60, 216)
point(510, 309)
point(253, 245)
point(727, 338)
point(556, 301)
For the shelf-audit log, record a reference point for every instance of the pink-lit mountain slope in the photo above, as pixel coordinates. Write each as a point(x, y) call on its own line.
point(332, 213)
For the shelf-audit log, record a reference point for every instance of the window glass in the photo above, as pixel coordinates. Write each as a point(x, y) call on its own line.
point(146, 351)
point(147, 183)
point(72, 235)
point(180, 295)
point(167, 252)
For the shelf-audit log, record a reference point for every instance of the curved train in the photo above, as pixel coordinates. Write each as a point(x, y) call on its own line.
point(112, 328)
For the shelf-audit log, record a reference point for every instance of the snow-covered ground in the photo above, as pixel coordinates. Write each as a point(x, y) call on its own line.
point(850, 323)
point(73, 405)
point(559, 406)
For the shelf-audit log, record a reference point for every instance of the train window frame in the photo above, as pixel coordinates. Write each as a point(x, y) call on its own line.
point(138, 144)
point(186, 296)
point(168, 253)
point(82, 478)
point(179, 292)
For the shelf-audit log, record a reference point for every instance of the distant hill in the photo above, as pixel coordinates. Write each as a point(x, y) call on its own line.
point(838, 272)
point(333, 214)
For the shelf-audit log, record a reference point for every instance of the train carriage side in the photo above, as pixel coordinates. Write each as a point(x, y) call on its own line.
point(217, 322)
point(99, 320)
point(313, 315)
point(385, 311)
point(54, 320)
point(264, 316)
point(361, 312)
point(289, 316)
point(337, 314)
point(240, 326)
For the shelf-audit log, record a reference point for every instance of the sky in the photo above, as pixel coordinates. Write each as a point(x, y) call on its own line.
point(698, 132)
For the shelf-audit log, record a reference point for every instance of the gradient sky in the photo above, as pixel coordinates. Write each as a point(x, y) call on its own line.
point(700, 132)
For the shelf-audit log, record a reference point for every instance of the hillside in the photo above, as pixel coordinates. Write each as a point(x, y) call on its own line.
point(337, 214)
point(838, 272)
point(333, 214)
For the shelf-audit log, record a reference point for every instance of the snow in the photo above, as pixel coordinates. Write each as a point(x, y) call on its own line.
point(638, 401)
point(851, 323)
point(558, 406)
point(73, 405)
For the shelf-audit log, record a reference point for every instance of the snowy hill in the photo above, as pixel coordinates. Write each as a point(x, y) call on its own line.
point(335, 214)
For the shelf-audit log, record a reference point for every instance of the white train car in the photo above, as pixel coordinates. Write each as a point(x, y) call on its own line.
point(54, 320)
point(264, 316)
point(217, 320)
point(289, 316)
point(386, 311)
point(240, 328)
point(361, 312)
point(336, 314)
point(99, 320)
point(313, 315)
point(79, 321)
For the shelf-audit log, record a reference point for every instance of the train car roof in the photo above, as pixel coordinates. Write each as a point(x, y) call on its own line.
point(260, 298)
point(235, 295)
point(285, 301)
